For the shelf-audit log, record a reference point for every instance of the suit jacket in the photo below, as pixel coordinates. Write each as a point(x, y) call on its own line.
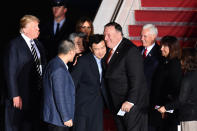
point(20, 72)
point(51, 41)
point(125, 77)
point(166, 88)
point(59, 93)
point(150, 63)
point(167, 82)
point(90, 91)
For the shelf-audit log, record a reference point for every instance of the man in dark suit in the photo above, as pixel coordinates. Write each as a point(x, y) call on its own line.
point(59, 90)
point(23, 66)
point(57, 29)
point(125, 81)
point(150, 51)
point(90, 91)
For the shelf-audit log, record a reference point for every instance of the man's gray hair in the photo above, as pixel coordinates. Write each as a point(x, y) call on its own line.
point(153, 28)
point(72, 36)
point(65, 46)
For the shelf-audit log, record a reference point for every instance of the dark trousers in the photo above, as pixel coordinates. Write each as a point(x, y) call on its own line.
point(169, 123)
point(52, 127)
point(93, 122)
point(21, 120)
point(2, 112)
point(164, 127)
point(132, 121)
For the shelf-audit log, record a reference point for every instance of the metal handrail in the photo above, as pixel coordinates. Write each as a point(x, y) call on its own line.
point(119, 4)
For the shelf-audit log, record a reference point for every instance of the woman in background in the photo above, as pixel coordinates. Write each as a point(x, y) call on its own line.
point(85, 25)
point(166, 85)
point(187, 102)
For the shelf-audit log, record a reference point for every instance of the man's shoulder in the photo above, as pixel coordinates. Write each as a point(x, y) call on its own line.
point(56, 68)
point(16, 38)
point(86, 57)
point(131, 50)
point(155, 51)
point(16, 42)
point(126, 40)
point(55, 63)
point(128, 44)
point(140, 48)
point(157, 46)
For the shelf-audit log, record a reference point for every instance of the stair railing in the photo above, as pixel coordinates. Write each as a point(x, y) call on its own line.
point(117, 9)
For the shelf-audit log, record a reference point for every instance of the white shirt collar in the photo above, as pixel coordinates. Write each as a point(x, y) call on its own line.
point(66, 66)
point(64, 63)
point(149, 48)
point(27, 40)
point(97, 59)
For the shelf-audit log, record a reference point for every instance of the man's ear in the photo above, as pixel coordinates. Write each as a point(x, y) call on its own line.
point(65, 10)
point(153, 36)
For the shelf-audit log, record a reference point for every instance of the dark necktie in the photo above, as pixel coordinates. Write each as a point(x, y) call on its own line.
point(35, 56)
point(57, 29)
point(144, 54)
point(109, 55)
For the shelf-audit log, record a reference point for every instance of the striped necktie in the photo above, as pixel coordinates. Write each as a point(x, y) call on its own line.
point(35, 56)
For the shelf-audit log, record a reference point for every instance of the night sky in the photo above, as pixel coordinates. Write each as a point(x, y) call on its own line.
point(14, 10)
